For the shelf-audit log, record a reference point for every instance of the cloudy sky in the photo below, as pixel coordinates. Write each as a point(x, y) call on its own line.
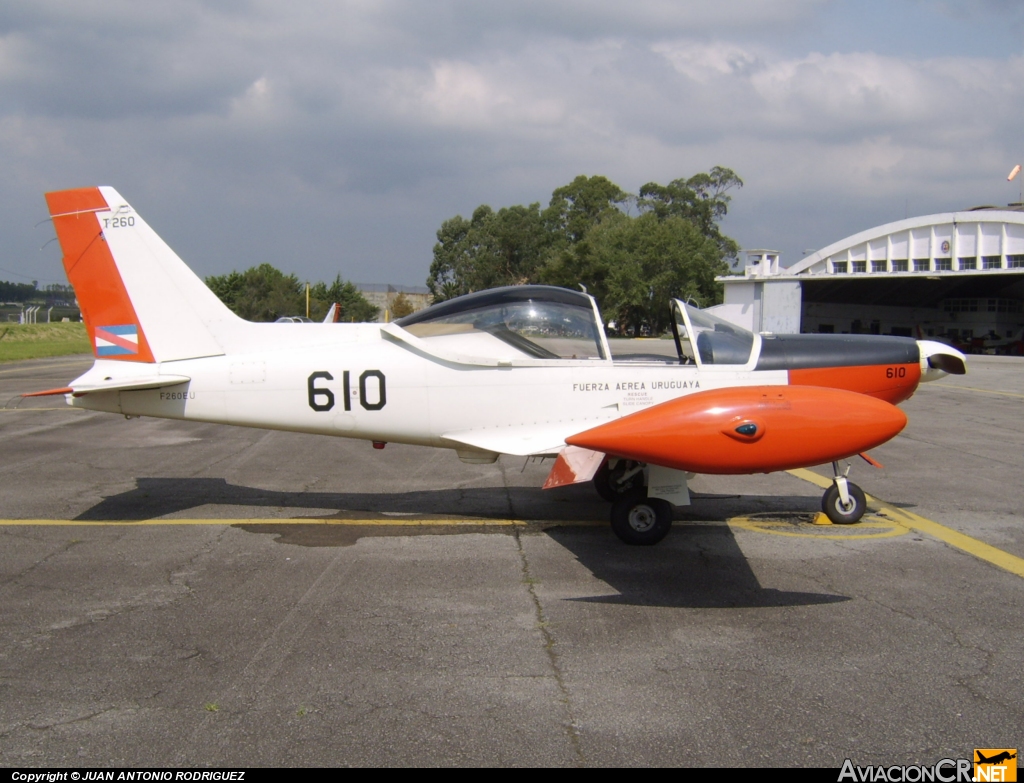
point(335, 135)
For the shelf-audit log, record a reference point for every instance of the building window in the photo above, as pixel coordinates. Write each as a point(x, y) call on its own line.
point(878, 266)
point(961, 305)
point(943, 264)
point(826, 328)
point(991, 262)
point(839, 267)
point(900, 265)
point(968, 263)
point(920, 264)
point(1015, 262)
point(860, 266)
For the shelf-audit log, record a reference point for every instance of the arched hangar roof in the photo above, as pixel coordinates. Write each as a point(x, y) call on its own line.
point(921, 261)
point(981, 239)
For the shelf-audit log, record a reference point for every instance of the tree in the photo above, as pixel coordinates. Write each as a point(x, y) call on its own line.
point(265, 293)
point(584, 237)
point(649, 262)
point(352, 304)
point(579, 206)
point(492, 249)
point(401, 306)
point(701, 199)
point(260, 293)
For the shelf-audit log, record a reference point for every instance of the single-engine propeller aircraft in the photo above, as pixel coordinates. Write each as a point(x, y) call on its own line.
point(524, 370)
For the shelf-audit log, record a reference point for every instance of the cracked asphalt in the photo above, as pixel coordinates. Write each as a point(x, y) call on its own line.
point(181, 625)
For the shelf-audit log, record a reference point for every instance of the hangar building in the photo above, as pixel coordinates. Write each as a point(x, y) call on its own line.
point(955, 275)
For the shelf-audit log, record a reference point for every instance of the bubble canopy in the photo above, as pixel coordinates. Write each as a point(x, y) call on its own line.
point(525, 322)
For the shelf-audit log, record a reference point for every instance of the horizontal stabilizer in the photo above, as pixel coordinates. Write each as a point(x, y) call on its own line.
point(130, 384)
point(114, 384)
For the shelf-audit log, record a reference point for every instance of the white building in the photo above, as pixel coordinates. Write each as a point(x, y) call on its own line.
point(958, 275)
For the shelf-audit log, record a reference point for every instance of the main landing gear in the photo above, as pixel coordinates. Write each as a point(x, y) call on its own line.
point(640, 520)
point(612, 481)
point(636, 519)
point(844, 502)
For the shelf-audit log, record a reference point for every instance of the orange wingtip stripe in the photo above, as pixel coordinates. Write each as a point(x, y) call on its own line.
point(49, 392)
point(63, 202)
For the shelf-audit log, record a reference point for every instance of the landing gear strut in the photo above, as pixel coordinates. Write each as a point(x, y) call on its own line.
point(844, 502)
point(613, 481)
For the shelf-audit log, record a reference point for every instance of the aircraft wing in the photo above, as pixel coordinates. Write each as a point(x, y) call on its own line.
point(545, 438)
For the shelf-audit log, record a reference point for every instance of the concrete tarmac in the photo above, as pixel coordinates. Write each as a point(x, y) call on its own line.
point(176, 594)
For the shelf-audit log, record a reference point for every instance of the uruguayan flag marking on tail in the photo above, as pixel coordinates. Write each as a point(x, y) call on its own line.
point(117, 340)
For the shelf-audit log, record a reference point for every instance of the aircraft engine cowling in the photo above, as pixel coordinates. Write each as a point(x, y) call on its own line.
point(751, 429)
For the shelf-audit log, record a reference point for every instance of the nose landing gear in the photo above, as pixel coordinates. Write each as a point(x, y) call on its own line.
point(844, 502)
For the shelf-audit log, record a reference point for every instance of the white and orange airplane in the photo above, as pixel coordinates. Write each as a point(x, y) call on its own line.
point(523, 371)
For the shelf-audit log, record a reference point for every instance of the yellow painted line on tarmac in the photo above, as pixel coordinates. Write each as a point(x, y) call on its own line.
point(884, 529)
point(981, 550)
point(965, 543)
point(811, 476)
point(985, 391)
point(376, 522)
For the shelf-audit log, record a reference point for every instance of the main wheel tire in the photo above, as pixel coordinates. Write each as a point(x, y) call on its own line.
point(641, 521)
point(832, 505)
point(606, 480)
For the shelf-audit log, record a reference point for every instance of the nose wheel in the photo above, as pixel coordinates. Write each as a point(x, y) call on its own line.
point(844, 502)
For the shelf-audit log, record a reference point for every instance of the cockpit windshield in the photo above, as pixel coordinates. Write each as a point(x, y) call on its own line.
point(717, 341)
point(518, 322)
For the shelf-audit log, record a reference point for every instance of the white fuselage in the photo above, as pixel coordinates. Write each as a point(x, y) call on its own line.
point(379, 383)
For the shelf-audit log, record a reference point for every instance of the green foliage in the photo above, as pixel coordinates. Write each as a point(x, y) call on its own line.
point(18, 292)
point(701, 199)
point(632, 265)
point(401, 307)
point(260, 293)
point(353, 304)
point(506, 247)
point(649, 262)
point(265, 293)
point(33, 341)
point(582, 204)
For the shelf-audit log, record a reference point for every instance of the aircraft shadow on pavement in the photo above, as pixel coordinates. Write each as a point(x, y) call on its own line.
point(699, 565)
point(696, 566)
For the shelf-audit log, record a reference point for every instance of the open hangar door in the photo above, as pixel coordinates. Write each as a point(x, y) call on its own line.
point(977, 312)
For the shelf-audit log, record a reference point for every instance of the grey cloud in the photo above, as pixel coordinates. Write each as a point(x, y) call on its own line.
point(332, 136)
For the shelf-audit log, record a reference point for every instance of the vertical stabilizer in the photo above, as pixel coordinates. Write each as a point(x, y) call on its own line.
point(139, 301)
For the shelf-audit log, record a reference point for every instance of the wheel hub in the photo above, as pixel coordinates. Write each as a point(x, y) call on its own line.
point(642, 518)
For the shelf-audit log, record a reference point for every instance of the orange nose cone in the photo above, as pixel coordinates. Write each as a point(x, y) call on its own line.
point(750, 429)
